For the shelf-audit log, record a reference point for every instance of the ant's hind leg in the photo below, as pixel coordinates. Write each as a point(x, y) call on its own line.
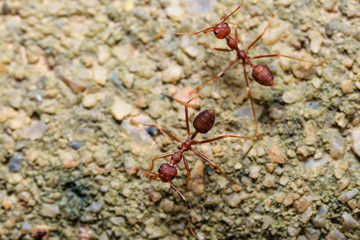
point(218, 168)
point(197, 89)
point(156, 126)
point(260, 36)
point(187, 167)
point(215, 49)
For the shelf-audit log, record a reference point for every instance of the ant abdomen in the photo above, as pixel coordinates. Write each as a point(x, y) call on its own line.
point(263, 75)
point(204, 121)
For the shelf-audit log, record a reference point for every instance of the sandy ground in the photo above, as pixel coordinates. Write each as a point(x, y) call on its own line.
point(74, 73)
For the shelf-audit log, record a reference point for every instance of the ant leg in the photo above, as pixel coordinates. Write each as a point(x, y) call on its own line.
point(207, 30)
point(236, 32)
point(281, 55)
point(260, 36)
point(187, 116)
point(187, 167)
point(156, 126)
point(216, 49)
point(218, 168)
point(222, 137)
point(162, 156)
point(258, 136)
point(217, 76)
point(187, 210)
point(154, 175)
point(224, 18)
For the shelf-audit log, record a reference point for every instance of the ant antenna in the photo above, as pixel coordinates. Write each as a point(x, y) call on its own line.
point(223, 19)
point(154, 176)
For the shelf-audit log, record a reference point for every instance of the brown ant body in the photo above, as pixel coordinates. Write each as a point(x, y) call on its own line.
point(261, 73)
point(202, 123)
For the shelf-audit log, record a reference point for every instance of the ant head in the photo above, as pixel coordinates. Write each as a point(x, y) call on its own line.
point(167, 172)
point(221, 30)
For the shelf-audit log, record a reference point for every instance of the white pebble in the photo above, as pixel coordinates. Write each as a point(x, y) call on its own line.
point(100, 74)
point(172, 74)
point(120, 109)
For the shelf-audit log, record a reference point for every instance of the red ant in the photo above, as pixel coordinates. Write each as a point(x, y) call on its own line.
point(202, 123)
point(261, 73)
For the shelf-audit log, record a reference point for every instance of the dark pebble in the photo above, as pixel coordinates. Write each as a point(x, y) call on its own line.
point(16, 162)
point(153, 131)
point(75, 144)
point(5, 9)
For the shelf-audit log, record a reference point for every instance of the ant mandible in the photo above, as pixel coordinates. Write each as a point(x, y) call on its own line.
point(202, 123)
point(261, 73)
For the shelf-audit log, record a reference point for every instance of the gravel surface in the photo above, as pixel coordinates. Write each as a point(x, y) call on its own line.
point(74, 73)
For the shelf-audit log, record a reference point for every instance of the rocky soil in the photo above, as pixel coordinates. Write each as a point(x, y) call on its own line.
point(74, 73)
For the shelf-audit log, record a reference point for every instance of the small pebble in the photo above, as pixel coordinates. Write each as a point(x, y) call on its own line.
point(185, 95)
point(352, 204)
point(349, 222)
point(293, 231)
point(290, 198)
point(49, 210)
point(303, 203)
point(320, 218)
point(155, 196)
point(347, 86)
point(172, 74)
point(35, 131)
point(336, 144)
point(89, 100)
point(103, 53)
point(269, 181)
point(15, 163)
point(120, 109)
point(175, 13)
point(100, 74)
point(284, 180)
point(196, 184)
point(270, 167)
point(316, 41)
point(340, 166)
point(305, 217)
point(68, 160)
point(75, 144)
point(167, 205)
point(335, 235)
point(95, 207)
point(291, 97)
point(254, 171)
point(312, 233)
point(235, 199)
point(275, 155)
point(345, 197)
point(343, 183)
point(355, 133)
point(123, 52)
point(154, 232)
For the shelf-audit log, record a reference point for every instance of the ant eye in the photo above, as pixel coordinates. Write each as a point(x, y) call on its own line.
point(215, 32)
point(159, 170)
point(172, 177)
point(226, 24)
